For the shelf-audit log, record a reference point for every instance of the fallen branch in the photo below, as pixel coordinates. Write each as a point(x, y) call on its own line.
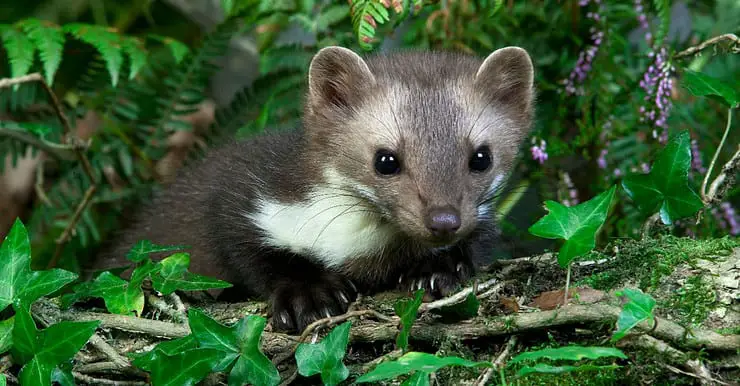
point(498, 364)
point(732, 38)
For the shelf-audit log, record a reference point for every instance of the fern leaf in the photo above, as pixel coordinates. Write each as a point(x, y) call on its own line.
point(20, 52)
point(330, 16)
point(105, 40)
point(137, 55)
point(663, 9)
point(49, 40)
point(178, 49)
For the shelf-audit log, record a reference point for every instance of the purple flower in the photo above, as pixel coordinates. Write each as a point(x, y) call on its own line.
point(730, 216)
point(658, 84)
point(586, 57)
point(572, 191)
point(602, 158)
point(538, 152)
point(696, 162)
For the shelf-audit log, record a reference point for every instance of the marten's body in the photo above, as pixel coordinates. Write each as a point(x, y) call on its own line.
point(389, 183)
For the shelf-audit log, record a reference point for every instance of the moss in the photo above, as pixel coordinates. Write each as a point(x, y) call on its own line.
point(692, 303)
point(646, 262)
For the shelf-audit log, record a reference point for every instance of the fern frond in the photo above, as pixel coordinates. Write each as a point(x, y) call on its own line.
point(106, 41)
point(288, 57)
point(137, 55)
point(366, 15)
point(49, 40)
point(330, 16)
point(178, 49)
point(663, 9)
point(20, 51)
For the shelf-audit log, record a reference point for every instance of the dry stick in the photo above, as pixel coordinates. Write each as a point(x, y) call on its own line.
point(456, 298)
point(327, 322)
point(725, 179)
point(160, 305)
point(716, 155)
point(498, 363)
point(101, 381)
point(711, 42)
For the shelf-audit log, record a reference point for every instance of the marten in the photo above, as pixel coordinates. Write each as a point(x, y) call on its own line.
point(388, 183)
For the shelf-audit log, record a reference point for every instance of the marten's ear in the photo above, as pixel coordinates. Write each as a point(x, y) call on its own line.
point(506, 77)
point(337, 78)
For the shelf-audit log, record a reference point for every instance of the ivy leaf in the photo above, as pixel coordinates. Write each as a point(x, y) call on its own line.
point(3, 380)
point(145, 360)
point(701, 84)
point(63, 377)
point(463, 310)
point(544, 368)
point(185, 368)
point(6, 334)
point(417, 379)
point(577, 225)
point(20, 52)
point(666, 187)
point(17, 280)
point(407, 310)
point(49, 40)
point(173, 275)
point(120, 296)
point(36, 373)
point(144, 248)
point(253, 367)
point(26, 339)
point(570, 353)
point(415, 361)
point(63, 340)
point(639, 308)
point(325, 357)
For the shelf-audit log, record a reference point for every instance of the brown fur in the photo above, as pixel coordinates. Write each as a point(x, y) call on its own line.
point(431, 109)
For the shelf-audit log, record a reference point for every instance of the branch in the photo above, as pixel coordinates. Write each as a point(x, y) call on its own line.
point(725, 179)
point(704, 196)
point(59, 152)
point(734, 45)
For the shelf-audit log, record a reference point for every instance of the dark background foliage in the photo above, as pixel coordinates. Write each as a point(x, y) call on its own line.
point(207, 77)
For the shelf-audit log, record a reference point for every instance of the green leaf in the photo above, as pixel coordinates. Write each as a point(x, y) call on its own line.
point(144, 248)
point(407, 310)
point(253, 367)
point(120, 296)
point(3, 380)
point(570, 353)
point(17, 281)
point(173, 275)
point(419, 378)
point(63, 340)
point(210, 333)
point(49, 40)
point(549, 369)
point(105, 40)
point(20, 52)
point(6, 334)
point(666, 187)
point(185, 368)
point(63, 377)
point(36, 373)
point(178, 49)
point(137, 55)
point(701, 84)
point(416, 361)
point(463, 310)
point(227, 6)
point(331, 15)
point(325, 357)
point(145, 360)
point(26, 338)
point(639, 308)
point(577, 225)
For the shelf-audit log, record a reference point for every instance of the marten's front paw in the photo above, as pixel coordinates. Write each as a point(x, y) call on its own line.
point(296, 304)
point(437, 282)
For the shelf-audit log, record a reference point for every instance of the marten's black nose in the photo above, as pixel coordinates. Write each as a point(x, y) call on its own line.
point(443, 221)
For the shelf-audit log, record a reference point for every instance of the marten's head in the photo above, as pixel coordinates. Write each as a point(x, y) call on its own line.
point(426, 138)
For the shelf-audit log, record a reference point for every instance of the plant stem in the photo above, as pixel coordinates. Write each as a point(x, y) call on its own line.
point(716, 155)
point(567, 285)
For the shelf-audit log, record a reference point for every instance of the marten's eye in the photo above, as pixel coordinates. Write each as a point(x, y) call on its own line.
point(481, 160)
point(386, 163)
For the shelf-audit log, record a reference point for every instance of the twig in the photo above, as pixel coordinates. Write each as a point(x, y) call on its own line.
point(457, 297)
point(39, 185)
point(714, 159)
point(648, 225)
point(133, 324)
point(77, 146)
point(328, 322)
point(165, 308)
point(711, 42)
point(59, 152)
point(290, 378)
point(101, 381)
point(498, 364)
point(103, 346)
point(725, 179)
point(567, 284)
point(177, 302)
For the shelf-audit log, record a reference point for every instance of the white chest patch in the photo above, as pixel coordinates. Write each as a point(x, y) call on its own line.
point(333, 226)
